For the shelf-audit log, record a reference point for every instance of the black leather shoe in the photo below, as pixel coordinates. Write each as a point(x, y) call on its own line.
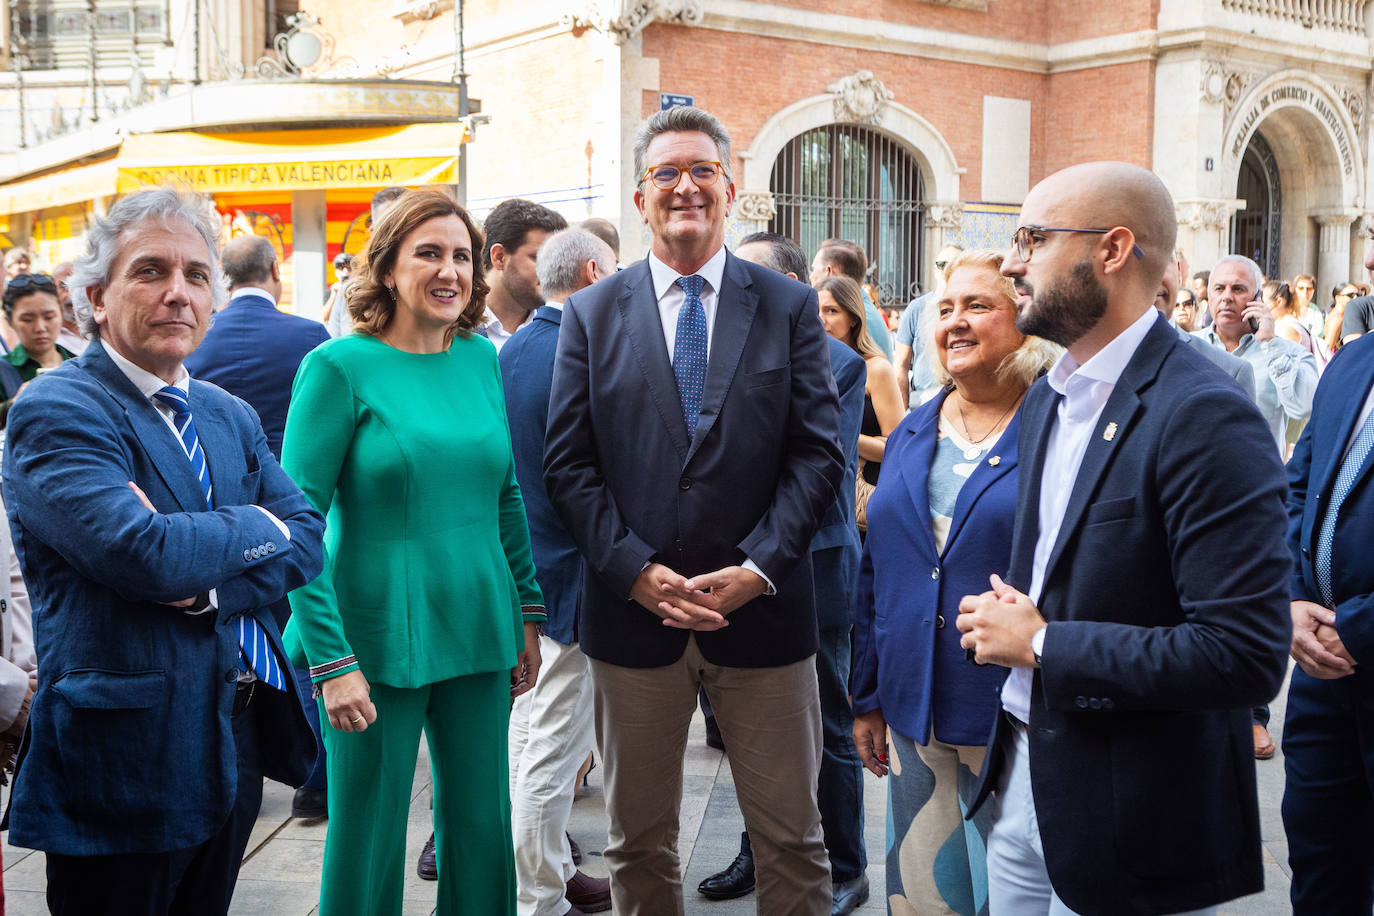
point(848, 896)
point(576, 850)
point(713, 738)
point(735, 881)
point(309, 804)
point(427, 868)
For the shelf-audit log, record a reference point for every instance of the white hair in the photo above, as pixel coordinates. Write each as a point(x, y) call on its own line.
point(560, 259)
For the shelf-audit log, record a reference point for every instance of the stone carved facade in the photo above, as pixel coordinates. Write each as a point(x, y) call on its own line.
point(859, 98)
point(945, 215)
point(624, 19)
point(755, 206)
point(1205, 214)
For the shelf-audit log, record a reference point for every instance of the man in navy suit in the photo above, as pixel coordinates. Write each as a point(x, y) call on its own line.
point(154, 527)
point(252, 351)
point(551, 725)
point(1145, 610)
point(1328, 734)
point(692, 450)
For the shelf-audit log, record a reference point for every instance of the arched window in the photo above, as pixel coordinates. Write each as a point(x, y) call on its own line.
point(854, 182)
point(1255, 231)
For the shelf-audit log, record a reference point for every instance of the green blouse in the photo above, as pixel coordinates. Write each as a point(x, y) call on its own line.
point(427, 552)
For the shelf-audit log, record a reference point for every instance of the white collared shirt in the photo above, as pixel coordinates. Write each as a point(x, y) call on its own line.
point(496, 332)
point(1085, 390)
point(670, 296)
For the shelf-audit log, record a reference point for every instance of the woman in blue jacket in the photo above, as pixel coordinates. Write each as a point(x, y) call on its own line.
point(939, 523)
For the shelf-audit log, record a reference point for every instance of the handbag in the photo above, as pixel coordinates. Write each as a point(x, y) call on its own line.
point(862, 491)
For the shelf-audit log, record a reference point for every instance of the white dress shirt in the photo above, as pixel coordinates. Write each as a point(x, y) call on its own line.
point(1085, 390)
point(670, 298)
point(497, 333)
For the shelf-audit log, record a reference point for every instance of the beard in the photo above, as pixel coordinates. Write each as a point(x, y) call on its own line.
point(1068, 308)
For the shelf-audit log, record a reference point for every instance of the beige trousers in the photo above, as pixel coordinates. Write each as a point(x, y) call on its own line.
point(770, 719)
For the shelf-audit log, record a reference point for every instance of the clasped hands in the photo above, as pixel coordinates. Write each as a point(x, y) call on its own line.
point(998, 625)
point(1316, 646)
point(699, 603)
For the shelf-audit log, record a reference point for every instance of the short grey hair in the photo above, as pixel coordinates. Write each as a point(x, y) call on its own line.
point(1256, 275)
point(560, 259)
point(247, 260)
point(681, 119)
point(165, 204)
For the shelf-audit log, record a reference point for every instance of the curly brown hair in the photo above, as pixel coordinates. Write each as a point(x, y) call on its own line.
point(370, 302)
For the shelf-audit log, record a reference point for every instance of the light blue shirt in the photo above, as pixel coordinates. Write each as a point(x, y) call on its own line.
point(1285, 379)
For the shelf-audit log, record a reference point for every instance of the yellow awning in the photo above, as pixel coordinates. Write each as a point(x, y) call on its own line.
point(70, 186)
point(295, 160)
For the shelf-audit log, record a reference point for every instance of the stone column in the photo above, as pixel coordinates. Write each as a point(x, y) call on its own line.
point(753, 211)
point(308, 253)
point(1204, 229)
point(1336, 260)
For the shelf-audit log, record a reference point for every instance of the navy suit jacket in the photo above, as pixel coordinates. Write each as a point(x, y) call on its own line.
point(1166, 594)
point(527, 376)
point(252, 351)
point(130, 747)
point(753, 482)
point(1312, 473)
point(835, 547)
point(907, 657)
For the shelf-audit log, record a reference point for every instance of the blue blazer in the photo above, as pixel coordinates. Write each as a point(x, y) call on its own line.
point(907, 658)
point(631, 486)
point(1311, 475)
point(130, 747)
point(527, 376)
point(1166, 593)
point(835, 548)
point(252, 351)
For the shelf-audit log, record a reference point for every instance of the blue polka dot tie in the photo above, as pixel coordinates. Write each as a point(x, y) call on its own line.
point(689, 351)
point(257, 651)
point(1345, 481)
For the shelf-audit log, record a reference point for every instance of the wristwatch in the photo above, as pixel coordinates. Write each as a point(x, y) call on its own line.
point(1038, 643)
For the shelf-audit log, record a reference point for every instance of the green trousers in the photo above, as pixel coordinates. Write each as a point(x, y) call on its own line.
point(370, 774)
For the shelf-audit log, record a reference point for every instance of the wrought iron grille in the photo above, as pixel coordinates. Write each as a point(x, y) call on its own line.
point(854, 182)
point(1256, 230)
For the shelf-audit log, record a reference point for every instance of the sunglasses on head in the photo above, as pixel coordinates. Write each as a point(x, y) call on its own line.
point(41, 282)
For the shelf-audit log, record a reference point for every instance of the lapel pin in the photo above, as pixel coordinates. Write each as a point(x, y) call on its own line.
point(994, 461)
point(1110, 432)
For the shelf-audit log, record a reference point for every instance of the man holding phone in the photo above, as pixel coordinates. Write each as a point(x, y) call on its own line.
point(1285, 373)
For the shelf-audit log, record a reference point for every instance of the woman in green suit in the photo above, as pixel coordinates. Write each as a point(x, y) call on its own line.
point(398, 433)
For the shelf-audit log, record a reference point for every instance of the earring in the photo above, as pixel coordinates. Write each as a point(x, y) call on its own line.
point(392, 290)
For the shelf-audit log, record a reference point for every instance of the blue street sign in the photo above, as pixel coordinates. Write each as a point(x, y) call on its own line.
point(668, 100)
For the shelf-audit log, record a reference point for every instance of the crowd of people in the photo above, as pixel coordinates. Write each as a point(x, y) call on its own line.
point(1038, 557)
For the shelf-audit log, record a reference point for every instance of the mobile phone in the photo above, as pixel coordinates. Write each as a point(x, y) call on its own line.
point(1254, 324)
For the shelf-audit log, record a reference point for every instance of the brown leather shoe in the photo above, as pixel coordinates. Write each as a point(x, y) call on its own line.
point(1264, 745)
point(588, 894)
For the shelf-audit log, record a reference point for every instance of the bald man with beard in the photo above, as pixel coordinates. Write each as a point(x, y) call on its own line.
point(1145, 610)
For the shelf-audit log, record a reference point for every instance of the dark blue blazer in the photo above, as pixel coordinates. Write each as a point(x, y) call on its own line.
point(129, 747)
point(631, 486)
point(1311, 474)
point(1166, 593)
point(527, 376)
point(835, 548)
point(252, 351)
point(907, 658)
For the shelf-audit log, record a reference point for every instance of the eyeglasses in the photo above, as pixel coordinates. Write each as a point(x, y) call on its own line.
point(668, 177)
point(41, 282)
point(1024, 240)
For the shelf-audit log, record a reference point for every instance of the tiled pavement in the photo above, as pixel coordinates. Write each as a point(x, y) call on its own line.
point(280, 876)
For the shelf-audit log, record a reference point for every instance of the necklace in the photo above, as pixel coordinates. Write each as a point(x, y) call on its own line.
point(973, 451)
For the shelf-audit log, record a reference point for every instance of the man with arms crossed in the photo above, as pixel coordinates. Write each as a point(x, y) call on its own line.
point(154, 528)
point(1146, 608)
point(693, 452)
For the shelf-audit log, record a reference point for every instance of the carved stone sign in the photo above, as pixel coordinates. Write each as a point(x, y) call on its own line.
point(859, 98)
point(1305, 96)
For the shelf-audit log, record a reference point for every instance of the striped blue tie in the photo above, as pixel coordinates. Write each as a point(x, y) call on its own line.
point(252, 638)
point(689, 351)
point(1345, 482)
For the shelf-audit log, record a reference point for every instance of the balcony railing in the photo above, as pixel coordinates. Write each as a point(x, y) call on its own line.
point(1337, 15)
